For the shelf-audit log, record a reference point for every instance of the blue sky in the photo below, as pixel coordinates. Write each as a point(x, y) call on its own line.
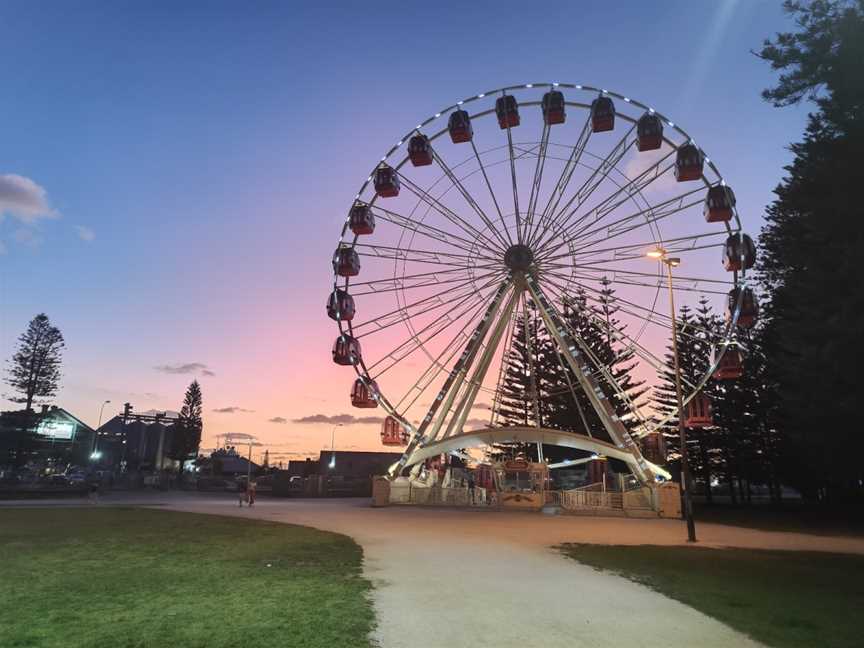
point(196, 160)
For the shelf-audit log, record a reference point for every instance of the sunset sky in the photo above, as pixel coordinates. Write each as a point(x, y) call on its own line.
point(174, 176)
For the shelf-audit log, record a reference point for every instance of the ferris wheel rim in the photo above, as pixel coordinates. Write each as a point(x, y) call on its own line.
point(729, 338)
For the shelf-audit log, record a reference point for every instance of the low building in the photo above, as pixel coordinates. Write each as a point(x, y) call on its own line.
point(51, 436)
point(138, 441)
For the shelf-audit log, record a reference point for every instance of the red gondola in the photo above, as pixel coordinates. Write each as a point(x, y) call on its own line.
point(346, 350)
point(719, 204)
point(386, 181)
point(507, 111)
point(602, 114)
point(698, 412)
point(420, 151)
point(731, 366)
point(459, 127)
point(688, 163)
point(739, 253)
point(654, 448)
point(553, 108)
point(649, 132)
point(364, 393)
point(346, 262)
point(749, 307)
point(392, 433)
point(340, 306)
point(361, 220)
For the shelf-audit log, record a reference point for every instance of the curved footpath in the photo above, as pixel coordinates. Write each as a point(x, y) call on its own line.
point(472, 578)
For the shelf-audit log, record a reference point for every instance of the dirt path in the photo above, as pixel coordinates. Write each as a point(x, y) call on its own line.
point(455, 578)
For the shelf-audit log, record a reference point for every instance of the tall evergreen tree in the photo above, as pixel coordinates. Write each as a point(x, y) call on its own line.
point(555, 384)
point(187, 431)
point(34, 370)
point(598, 326)
point(810, 250)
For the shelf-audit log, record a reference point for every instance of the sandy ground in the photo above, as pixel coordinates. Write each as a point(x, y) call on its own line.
point(448, 578)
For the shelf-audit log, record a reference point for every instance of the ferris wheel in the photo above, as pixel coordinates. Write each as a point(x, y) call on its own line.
point(523, 198)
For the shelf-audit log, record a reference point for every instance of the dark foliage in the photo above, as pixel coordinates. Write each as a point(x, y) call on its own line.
point(34, 370)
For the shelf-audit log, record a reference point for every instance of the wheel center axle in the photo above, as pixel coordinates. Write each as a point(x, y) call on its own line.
point(518, 258)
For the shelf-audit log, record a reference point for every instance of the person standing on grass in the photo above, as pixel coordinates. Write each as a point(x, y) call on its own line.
point(241, 492)
point(93, 491)
point(251, 492)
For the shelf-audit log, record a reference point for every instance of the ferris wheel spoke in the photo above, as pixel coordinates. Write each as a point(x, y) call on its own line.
point(440, 363)
point(677, 279)
point(594, 180)
point(618, 334)
point(423, 336)
point(446, 212)
point(491, 192)
point(412, 255)
point(633, 251)
point(502, 367)
point(645, 217)
point(635, 186)
point(418, 280)
point(643, 313)
point(564, 180)
point(424, 305)
point(515, 186)
point(431, 330)
point(537, 182)
point(469, 199)
point(429, 231)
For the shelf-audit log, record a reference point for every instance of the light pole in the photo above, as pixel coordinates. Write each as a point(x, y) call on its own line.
point(95, 454)
point(332, 463)
point(686, 483)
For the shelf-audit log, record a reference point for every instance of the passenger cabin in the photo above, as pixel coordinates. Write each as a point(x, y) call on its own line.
point(553, 108)
point(346, 350)
point(739, 253)
point(392, 433)
point(459, 127)
point(346, 261)
point(731, 365)
point(654, 448)
point(719, 204)
point(364, 393)
point(649, 132)
point(698, 412)
point(688, 163)
point(386, 181)
point(507, 111)
point(340, 306)
point(420, 151)
point(602, 114)
point(749, 312)
point(361, 220)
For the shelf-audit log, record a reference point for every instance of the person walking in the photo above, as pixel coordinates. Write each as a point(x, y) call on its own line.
point(93, 491)
point(250, 493)
point(242, 488)
point(471, 486)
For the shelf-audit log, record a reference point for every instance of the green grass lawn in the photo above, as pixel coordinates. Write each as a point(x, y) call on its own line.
point(781, 598)
point(120, 577)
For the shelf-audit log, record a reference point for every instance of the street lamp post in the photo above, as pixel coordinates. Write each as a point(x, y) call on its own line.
point(686, 482)
point(95, 452)
point(332, 463)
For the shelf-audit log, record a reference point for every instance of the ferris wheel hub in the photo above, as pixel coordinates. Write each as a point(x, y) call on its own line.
point(519, 257)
